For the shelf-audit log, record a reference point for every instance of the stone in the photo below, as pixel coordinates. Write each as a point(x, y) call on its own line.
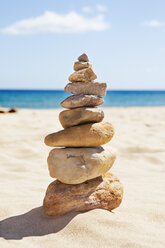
point(87, 135)
point(81, 100)
point(76, 116)
point(77, 165)
point(83, 58)
point(81, 65)
point(87, 88)
point(2, 111)
point(104, 193)
point(13, 110)
point(82, 75)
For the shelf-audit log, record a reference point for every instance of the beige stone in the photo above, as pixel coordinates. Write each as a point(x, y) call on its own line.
point(81, 65)
point(77, 165)
point(88, 88)
point(83, 58)
point(76, 116)
point(83, 75)
point(105, 193)
point(81, 100)
point(87, 135)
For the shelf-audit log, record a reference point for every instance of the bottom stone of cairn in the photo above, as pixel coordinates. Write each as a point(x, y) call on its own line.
point(102, 192)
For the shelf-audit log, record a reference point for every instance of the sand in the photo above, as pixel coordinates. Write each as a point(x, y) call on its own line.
point(138, 222)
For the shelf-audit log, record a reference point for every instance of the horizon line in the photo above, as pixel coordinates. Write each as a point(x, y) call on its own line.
point(37, 89)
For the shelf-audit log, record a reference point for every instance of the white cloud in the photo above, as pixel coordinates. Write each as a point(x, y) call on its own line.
point(154, 24)
point(101, 8)
point(51, 22)
point(87, 9)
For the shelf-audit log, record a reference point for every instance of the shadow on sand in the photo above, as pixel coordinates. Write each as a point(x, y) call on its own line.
point(33, 223)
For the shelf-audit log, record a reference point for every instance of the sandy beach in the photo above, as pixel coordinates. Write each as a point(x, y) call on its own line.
point(139, 222)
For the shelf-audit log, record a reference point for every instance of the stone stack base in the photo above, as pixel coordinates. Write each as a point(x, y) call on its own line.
point(101, 192)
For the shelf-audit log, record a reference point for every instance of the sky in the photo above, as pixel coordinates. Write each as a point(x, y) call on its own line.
point(124, 40)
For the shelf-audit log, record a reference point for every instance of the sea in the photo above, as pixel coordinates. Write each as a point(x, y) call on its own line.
point(47, 99)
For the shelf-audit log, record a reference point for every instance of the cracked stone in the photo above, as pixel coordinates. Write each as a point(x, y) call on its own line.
point(77, 165)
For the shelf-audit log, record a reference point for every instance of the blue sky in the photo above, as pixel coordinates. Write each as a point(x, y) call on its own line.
point(124, 40)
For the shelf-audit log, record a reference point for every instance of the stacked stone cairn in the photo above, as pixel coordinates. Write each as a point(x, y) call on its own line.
point(81, 164)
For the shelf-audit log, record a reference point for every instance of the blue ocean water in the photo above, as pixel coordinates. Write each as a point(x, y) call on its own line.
point(41, 99)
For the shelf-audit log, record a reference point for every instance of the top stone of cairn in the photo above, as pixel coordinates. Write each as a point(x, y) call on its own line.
point(83, 58)
point(83, 71)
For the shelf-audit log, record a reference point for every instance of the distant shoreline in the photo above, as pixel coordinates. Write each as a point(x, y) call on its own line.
point(112, 90)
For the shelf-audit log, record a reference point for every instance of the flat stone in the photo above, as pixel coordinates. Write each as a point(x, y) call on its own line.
point(87, 88)
point(83, 58)
point(73, 117)
point(81, 65)
point(105, 193)
point(87, 135)
point(77, 165)
point(81, 100)
point(82, 75)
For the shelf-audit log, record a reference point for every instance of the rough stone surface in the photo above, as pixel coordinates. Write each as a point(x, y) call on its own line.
point(87, 135)
point(88, 88)
point(77, 165)
point(81, 100)
point(81, 65)
point(105, 193)
point(83, 75)
point(83, 58)
point(73, 117)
